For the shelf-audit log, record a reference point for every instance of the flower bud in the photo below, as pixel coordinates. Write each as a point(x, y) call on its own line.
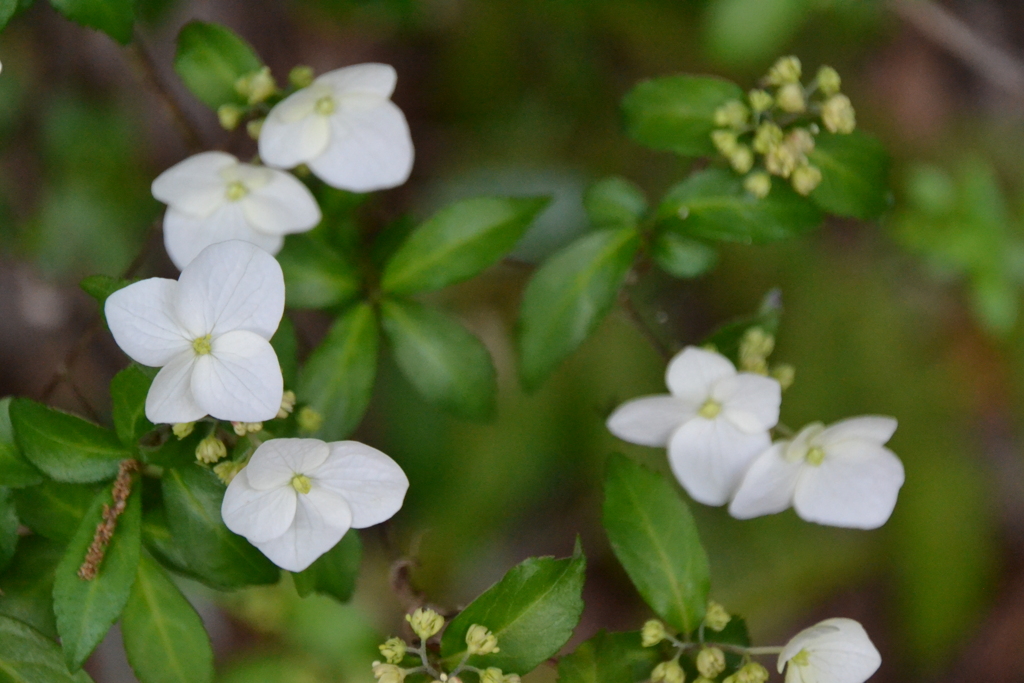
point(838, 115)
point(755, 347)
point(227, 470)
point(480, 641)
point(805, 178)
point(781, 160)
point(393, 650)
point(301, 76)
point(752, 673)
point(785, 375)
point(724, 141)
point(512, 678)
point(230, 116)
point(785, 70)
point(768, 135)
point(758, 184)
point(742, 159)
point(790, 98)
point(491, 675)
point(652, 633)
point(309, 420)
point(668, 672)
point(243, 428)
point(716, 618)
point(710, 662)
point(760, 100)
point(256, 86)
point(732, 114)
point(254, 128)
point(425, 622)
point(210, 450)
point(183, 429)
point(287, 405)
point(388, 673)
point(828, 81)
point(800, 140)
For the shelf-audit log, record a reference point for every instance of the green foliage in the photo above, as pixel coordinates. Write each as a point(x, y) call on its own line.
point(854, 175)
point(608, 658)
point(459, 242)
point(174, 452)
point(337, 379)
point(532, 611)
point(26, 588)
point(7, 10)
point(742, 32)
point(210, 59)
point(26, 656)
point(713, 205)
point(66, 448)
point(163, 636)
point(216, 556)
point(128, 392)
point(676, 113)
point(726, 339)
point(159, 541)
point(8, 527)
point(567, 298)
point(447, 365)
point(286, 346)
point(86, 609)
point(681, 256)
point(114, 17)
point(100, 287)
point(53, 509)
point(615, 202)
point(315, 274)
point(655, 538)
point(15, 471)
point(334, 573)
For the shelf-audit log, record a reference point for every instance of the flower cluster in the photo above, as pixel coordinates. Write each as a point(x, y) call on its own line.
point(772, 132)
point(717, 422)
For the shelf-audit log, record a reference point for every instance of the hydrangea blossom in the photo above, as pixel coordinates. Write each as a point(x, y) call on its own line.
point(209, 333)
point(714, 422)
point(841, 475)
point(345, 127)
point(297, 497)
point(212, 197)
point(833, 651)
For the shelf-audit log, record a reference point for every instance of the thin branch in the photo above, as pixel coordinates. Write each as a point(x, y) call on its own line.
point(644, 326)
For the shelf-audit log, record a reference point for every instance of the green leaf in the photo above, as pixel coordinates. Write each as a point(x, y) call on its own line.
point(15, 471)
point(854, 175)
point(26, 588)
point(676, 113)
point(210, 59)
point(160, 542)
point(175, 452)
point(749, 32)
point(615, 203)
point(654, 536)
point(458, 242)
point(7, 10)
point(609, 658)
point(8, 527)
point(128, 392)
point(66, 448)
point(532, 610)
point(713, 205)
point(726, 339)
point(163, 636)
point(568, 296)
point(315, 275)
point(87, 609)
point(26, 656)
point(219, 558)
point(681, 256)
point(286, 346)
point(334, 573)
point(447, 365)
point(53, 509)
point(337, 379)
point(114, 17)
point(100, 287)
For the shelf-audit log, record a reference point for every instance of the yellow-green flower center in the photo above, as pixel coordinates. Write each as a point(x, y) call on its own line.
point(236, 190)
point(710, 409)
point(201, 345)
point(301, 483)
point(815, 456)
point(325, 105)
point(802, 658)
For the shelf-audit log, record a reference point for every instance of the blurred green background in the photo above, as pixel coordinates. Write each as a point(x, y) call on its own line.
point(916, 317)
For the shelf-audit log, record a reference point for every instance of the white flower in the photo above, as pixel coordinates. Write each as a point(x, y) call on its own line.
point(834, 651)
point(212, 197)
point(209, 333)
point(714, 422)
point(841, 475)
point(345, 127)
point(297, 497)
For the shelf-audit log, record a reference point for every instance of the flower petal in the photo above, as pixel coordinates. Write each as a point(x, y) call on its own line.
point(293, 133)
point(259, 515)
point(231, 286)
point(855, 486)
point(370, 148)
point(141, 318)
point(372, 483)
point(650, 420)
point(709, 457)
point(693, 372)
point(195, 186)
point(875, 428)
point(767, 486)
point(838, 651)
point(749, 401)
point(281, 207)
point(276, 461)
point(321, 519)
point(370, 78)
point(240, 379)
point(185, 236)
point(170, 399)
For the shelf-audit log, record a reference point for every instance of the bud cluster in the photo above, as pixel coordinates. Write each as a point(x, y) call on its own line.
point(772, 133)
point(755, 348)
point(259, 89)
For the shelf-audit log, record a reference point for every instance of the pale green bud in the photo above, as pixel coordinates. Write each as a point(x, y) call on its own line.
point(805, 178)
point(301, 76)
point(652, 633)
point(393, 650)
point(309, 420)
point(800, 140)
point(724, 141)
point(732, 114)
point(838, 115)
point(254, 128)
point(752, 673)
point(781, 160)
point(183, 429)
point(668, 672)
point(710, 662)
point(758, 184)
point(287, 404)
point(491, 675)
point(425, 622)
point(256, 86)
point(785, 375)
point(388, 673)
point(701, 679)
point(229, 116)
point(768, 135)
point(227, 470)
point(760, 100)
point(480, 641)
point(790, 98)
point(716, 618)
point(829, 81)
point(755, 347)
point(243, 428)
point(785, 70)
point(210, 450)
point(742, 159)
point(512, 678)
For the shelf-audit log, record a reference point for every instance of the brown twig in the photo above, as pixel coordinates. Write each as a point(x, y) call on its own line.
point(105, 530)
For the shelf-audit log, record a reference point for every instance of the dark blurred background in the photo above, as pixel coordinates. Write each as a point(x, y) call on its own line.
point(916, 317)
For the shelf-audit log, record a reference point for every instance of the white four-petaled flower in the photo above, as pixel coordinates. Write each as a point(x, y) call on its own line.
point(297, 497)
point(209, 333)
point(345, 127)
point(840, 475)
point(714, 422)
point(833, 651)
point(212, 197)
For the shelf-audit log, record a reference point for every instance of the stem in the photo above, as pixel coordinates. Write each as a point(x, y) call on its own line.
point(757, 651)
point(644, 327)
